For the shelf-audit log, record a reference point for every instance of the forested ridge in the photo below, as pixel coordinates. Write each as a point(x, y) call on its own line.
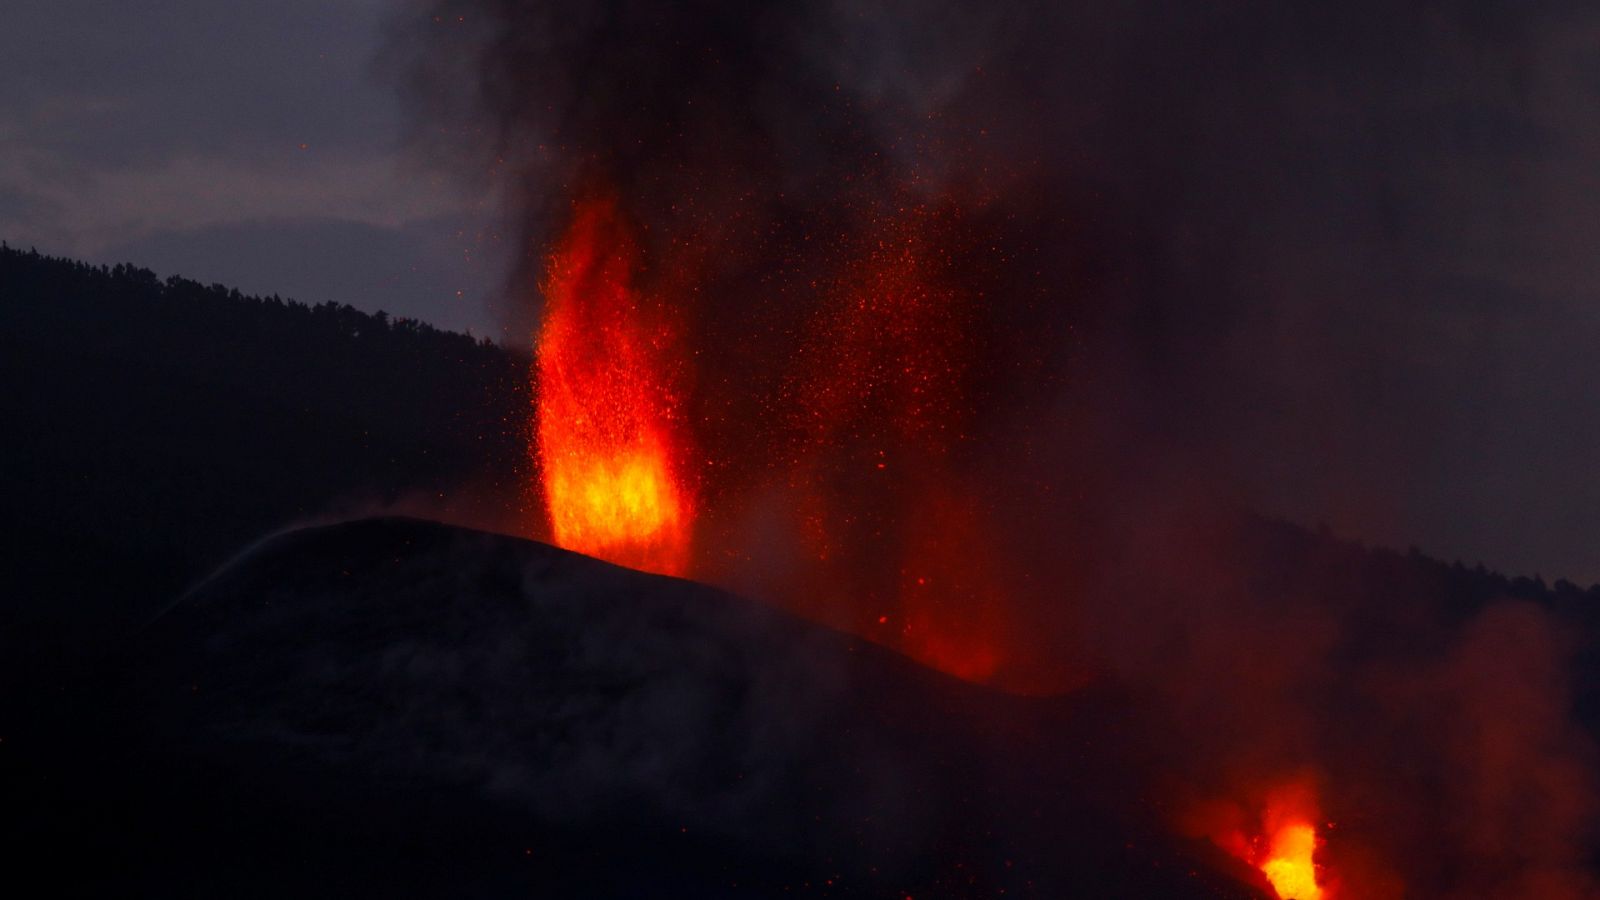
point(155, 426)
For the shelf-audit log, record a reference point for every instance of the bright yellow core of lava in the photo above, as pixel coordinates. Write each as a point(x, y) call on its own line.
point(1289, 867)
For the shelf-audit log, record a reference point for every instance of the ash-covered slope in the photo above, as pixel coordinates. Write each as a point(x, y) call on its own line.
point(398, 706)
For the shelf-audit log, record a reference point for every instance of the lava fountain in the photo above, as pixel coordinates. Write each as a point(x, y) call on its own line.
point(609, 442)
point(1287, 851)
point(1275, 832)
point(1289, 864)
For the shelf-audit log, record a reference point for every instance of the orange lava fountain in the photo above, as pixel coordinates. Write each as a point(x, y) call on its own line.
point(1280, 840)
point(869, 414)
point(1289, 865)
point(609, 441)
point(1286, 851)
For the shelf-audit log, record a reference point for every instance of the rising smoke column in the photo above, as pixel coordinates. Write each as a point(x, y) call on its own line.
point(828, 257)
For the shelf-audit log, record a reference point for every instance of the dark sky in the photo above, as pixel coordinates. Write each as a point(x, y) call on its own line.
point(1401, 204)
point(255, 144)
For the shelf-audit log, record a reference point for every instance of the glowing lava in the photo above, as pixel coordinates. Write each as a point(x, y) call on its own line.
point(863, 428)
point(1287, 848)
point(609, 442)
point(1289, 865)
point(1276, 833)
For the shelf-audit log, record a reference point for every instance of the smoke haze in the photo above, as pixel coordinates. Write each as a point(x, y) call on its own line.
point(1082, 280)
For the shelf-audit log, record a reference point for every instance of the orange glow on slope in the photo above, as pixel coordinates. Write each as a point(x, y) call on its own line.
point(948, 594)
point(608, 438)
point(1289, 865)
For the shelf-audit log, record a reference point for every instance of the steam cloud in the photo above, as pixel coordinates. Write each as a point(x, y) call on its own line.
point(1180, 260)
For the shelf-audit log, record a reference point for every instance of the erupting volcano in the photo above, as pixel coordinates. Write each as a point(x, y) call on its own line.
point(608, 441)
point(870, 405)
point(946, 450)
point(861, 336)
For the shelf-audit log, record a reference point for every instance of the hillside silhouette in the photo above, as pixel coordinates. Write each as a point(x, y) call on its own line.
point(155, 427)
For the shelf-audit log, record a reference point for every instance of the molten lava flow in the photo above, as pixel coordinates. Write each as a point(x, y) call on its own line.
point(1289, 865)
point(608, 438)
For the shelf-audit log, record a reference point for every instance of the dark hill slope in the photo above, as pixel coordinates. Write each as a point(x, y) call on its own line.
point(392, 706)
point(153, 428)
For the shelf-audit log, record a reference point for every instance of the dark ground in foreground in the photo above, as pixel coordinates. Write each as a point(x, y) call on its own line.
point(398, 707)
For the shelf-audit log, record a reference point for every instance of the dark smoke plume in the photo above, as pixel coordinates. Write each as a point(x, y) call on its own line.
point(1167, 261)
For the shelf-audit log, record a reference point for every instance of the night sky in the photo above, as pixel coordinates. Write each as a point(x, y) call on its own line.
point(254, 144)
point(1377, 228)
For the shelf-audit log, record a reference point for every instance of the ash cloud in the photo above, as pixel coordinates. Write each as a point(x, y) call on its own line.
point(1338, 254)
point(1317, 261)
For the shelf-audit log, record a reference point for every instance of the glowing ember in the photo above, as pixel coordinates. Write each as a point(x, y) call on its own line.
point(1289, 866)
point(881, 395)
point(608, 440)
